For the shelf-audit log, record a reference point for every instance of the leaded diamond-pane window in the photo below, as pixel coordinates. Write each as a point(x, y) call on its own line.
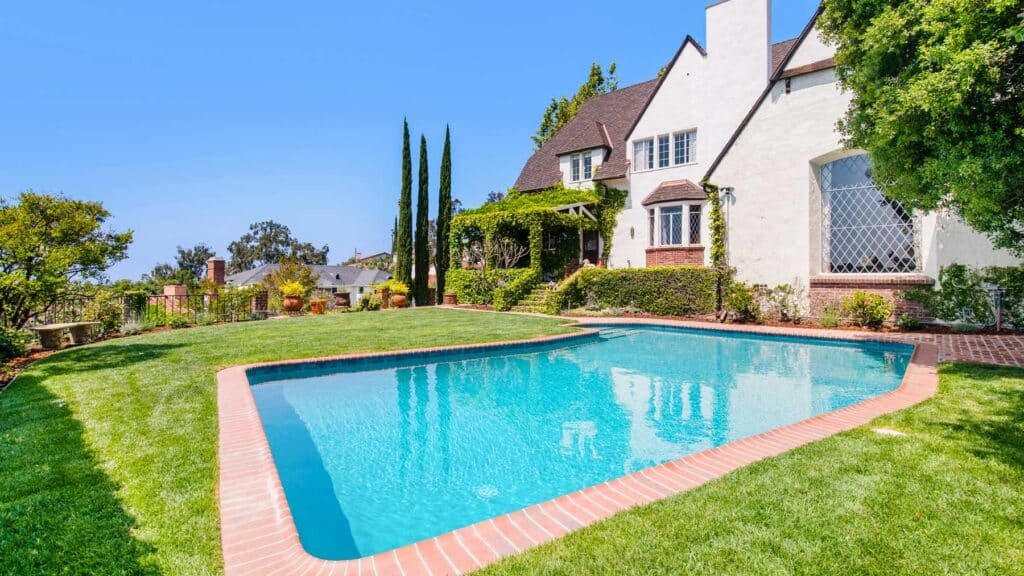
point(862, 230)
point(672, 226)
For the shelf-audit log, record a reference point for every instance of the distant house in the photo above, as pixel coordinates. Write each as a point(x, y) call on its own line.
point(333, 279)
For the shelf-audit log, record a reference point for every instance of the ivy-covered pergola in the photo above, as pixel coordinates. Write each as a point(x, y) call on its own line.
point(555, 210)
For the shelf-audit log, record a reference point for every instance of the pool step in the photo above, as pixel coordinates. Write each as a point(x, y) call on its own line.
point(613, 333)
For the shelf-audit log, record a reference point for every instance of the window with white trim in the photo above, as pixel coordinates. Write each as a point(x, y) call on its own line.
point(685, 147)
point(663, 150)
point(588, 166)
point(643, 154)
point(675, 225)
point(574, 168)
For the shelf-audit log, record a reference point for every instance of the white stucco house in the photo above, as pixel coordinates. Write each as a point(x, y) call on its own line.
point(758, 120)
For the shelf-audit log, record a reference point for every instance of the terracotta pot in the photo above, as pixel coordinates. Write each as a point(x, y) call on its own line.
point(342, 300)
point(451, 299)
point(292, 303)
point(385, 298)
point(399, 300)
point(317, 306)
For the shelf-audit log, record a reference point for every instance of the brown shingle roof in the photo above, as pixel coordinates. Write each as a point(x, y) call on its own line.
point(605, 121)
point(779, 52)
point(601, 121)
point(675, 190)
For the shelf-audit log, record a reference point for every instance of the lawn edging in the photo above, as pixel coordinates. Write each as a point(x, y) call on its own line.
point(258, 534)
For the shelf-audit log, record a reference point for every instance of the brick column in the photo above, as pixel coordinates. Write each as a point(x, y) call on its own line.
point(215, 270)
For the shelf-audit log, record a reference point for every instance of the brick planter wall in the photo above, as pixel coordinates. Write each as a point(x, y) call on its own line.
point(829, 291)
point(675, 256)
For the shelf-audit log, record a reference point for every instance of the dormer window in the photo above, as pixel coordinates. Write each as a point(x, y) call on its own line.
point(582, 161)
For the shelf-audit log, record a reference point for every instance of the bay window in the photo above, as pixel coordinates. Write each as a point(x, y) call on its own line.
point(675, 225)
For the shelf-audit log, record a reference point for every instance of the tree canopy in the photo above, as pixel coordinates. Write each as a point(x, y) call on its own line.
point(268, 243)
point(938, 102)
point(562, 109)
point(47, 243)
point(193, 260)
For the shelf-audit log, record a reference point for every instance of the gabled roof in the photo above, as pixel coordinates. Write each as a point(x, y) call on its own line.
point(673, 191)
point(779, 73)
point(327, 276)
point(668, 70)
point(600, 123)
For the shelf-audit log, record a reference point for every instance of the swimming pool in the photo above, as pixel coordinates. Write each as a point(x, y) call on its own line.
point(378, 453)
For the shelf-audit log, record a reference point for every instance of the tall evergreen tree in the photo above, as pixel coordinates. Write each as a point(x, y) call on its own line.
point(403, 235)
point(444, 215)
point(422, 252)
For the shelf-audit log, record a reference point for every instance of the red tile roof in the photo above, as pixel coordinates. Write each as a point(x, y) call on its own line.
point(675, 190)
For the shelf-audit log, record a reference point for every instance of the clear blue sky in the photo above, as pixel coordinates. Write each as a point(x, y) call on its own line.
point(189, 120)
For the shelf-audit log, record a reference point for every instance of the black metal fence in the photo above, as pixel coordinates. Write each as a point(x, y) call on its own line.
point(146, 311)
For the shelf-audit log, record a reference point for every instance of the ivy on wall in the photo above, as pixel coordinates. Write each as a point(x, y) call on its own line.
point(534, 212)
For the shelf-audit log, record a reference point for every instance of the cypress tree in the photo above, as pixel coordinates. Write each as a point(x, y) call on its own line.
point(403, 235)
point(422, 251)
point(442, 257)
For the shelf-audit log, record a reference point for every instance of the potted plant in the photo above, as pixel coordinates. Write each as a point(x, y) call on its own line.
point(394, 293)
point(451, 299)
point(291, 293)
point(318, 305)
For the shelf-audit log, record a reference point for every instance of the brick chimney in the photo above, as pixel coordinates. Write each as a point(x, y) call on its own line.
point(215, 270)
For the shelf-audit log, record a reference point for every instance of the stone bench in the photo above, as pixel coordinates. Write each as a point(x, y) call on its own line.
point(50, 334)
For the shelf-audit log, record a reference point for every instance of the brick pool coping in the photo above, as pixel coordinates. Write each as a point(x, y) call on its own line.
point(258, 535)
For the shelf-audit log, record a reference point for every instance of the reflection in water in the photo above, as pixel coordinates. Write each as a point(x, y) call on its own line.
point(414, 452)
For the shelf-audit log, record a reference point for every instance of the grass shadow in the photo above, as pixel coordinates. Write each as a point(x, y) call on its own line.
point(103, 357)
point(59, 511)
point(991, 415)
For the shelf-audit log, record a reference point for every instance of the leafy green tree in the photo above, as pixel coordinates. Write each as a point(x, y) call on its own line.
point(47, 244)
point(562, 109)
point(444, 216)
point(268, 243)
point(403, 235)
point(193, 260)
point(938, 102)
point(422, 251)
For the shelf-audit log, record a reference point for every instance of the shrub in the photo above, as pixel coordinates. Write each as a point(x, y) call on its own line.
point(518, 286)
point(1010, 279)
point(476, 287)
point(206, 320)
point(785, 302)
point(132, 328)
point(393, 286)
point(107, 309)
point(13, 343)
point(830, 317)
point(867, 310)
point(742, 300)
point(675, 291)
point(959, 298)
point(156, 315)
point(908, 323)
point(370, 302)
point(177, 321)
point(292, 289)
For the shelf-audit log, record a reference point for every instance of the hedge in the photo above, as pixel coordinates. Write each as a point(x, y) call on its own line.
point(670, 291)
point(505, 297)
point(466, 283)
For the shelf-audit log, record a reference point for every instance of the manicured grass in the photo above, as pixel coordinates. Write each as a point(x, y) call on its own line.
point(108, 461)
point(108, 466)
point(947, 498)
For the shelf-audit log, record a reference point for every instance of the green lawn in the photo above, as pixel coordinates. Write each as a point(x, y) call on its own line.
point(108, 465)
point(108, 461)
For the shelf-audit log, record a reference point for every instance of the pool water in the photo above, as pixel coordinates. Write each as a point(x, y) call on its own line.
point(377, 454)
